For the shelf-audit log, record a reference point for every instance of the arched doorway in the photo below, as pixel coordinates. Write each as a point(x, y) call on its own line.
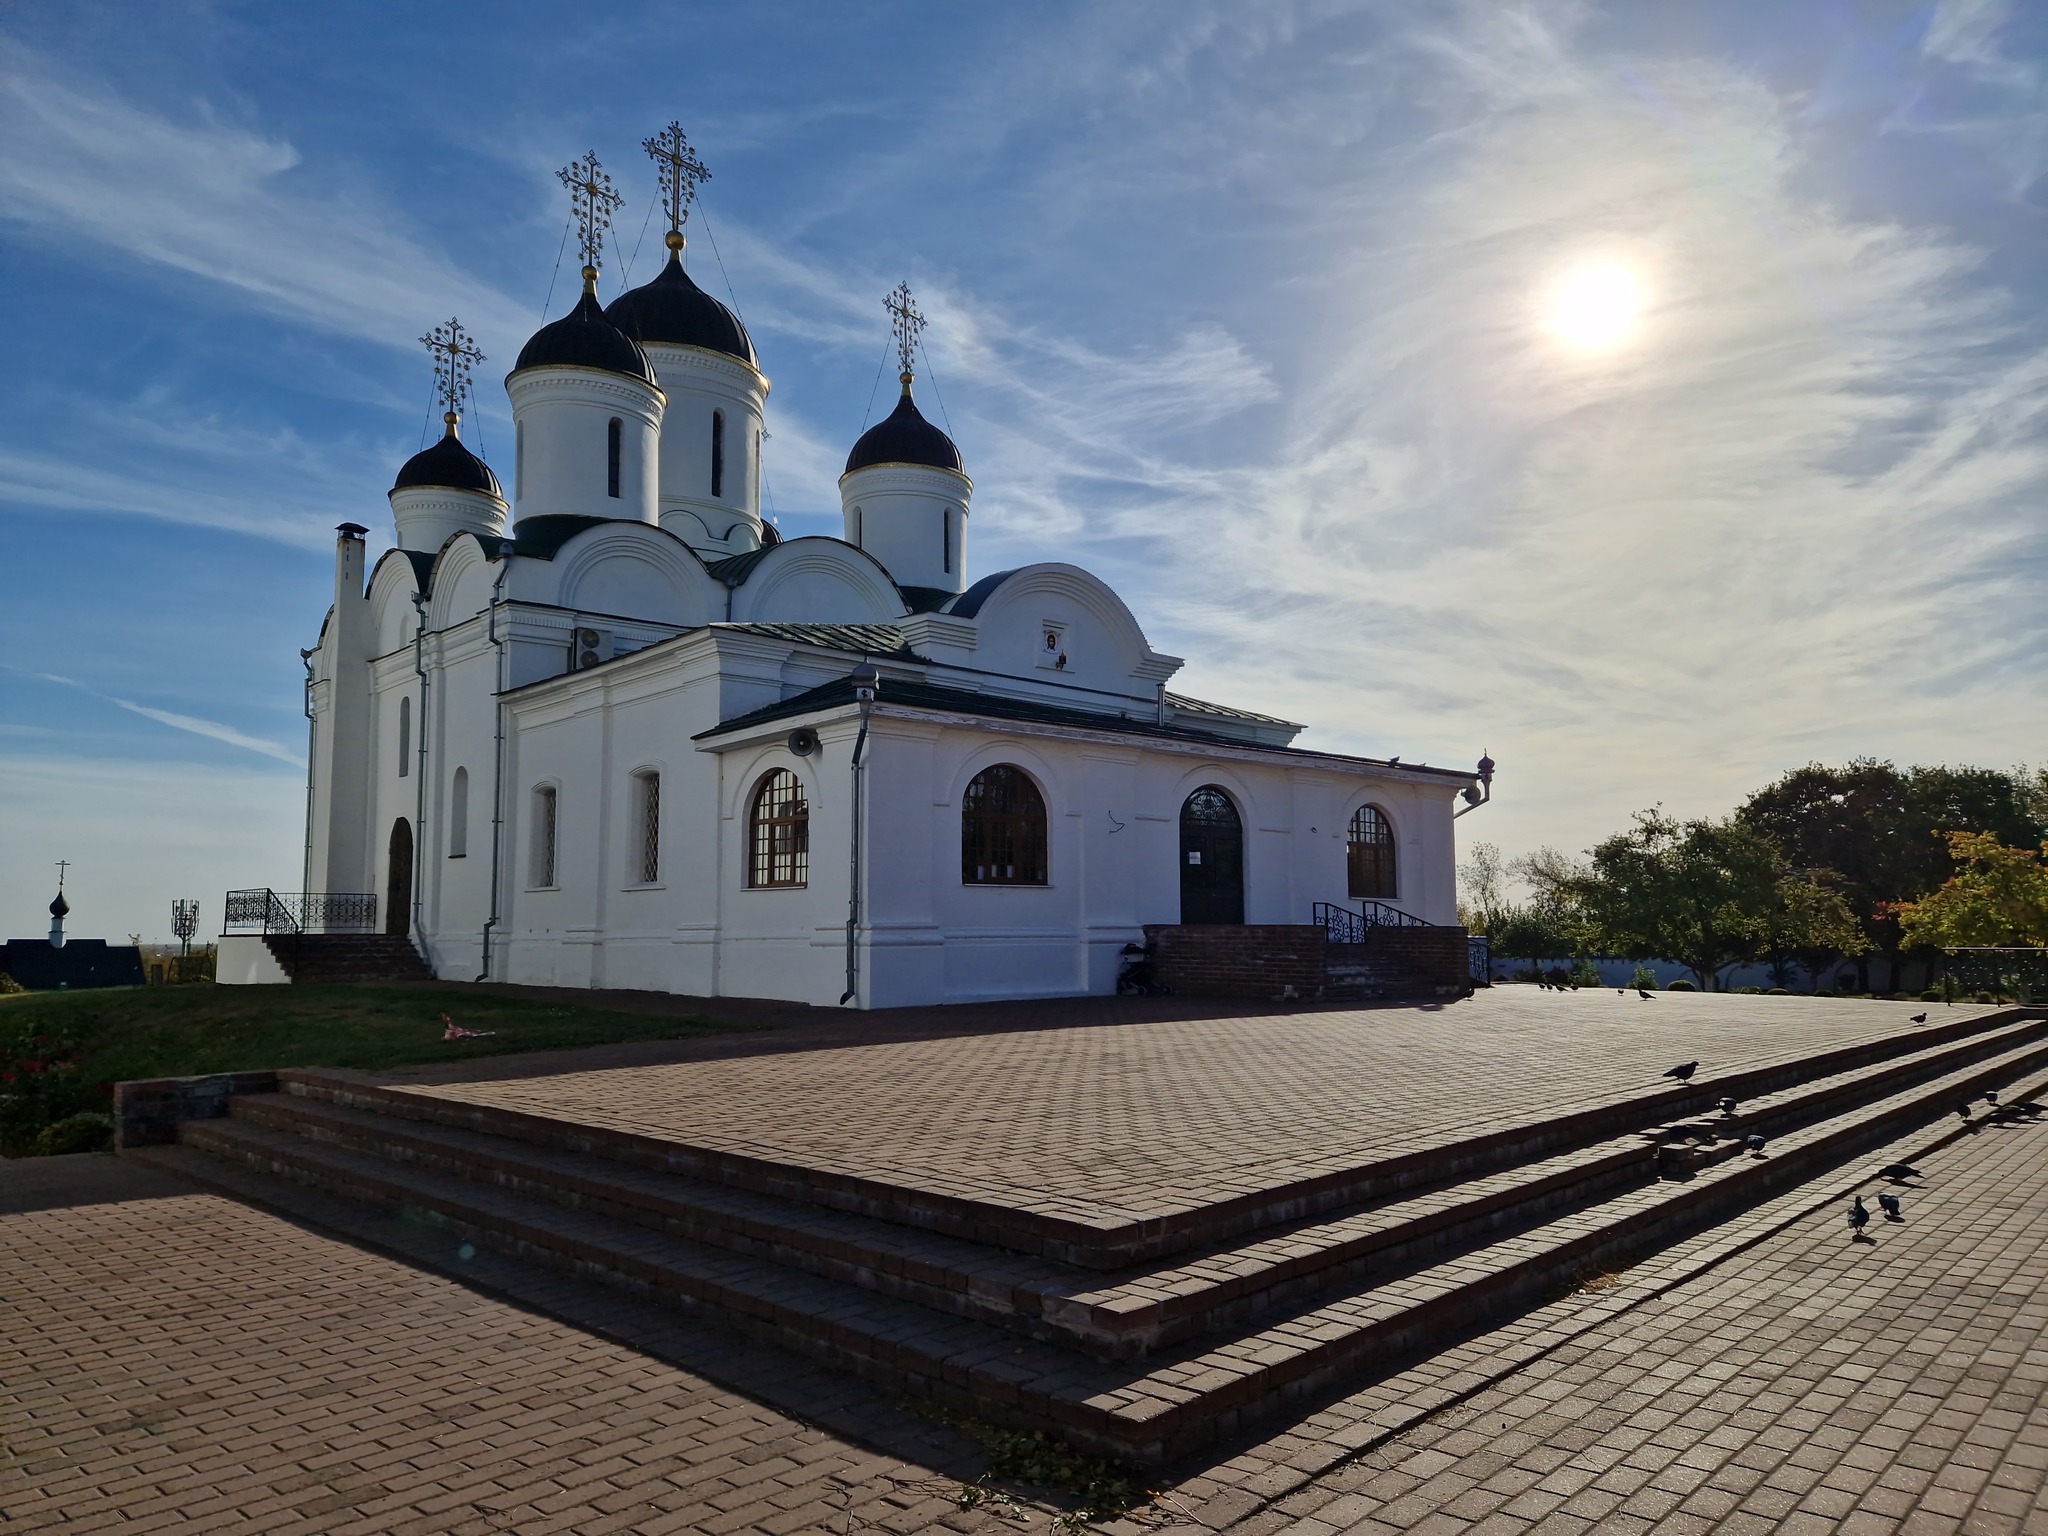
point(398, 880)
point(1211, 858)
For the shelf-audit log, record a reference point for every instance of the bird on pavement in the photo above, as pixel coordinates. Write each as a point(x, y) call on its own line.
point(1683, 1071)
point(1919, 1018)
point(1725, 1105)
point(1991, 1095)
point(1644, 995)
point(1891, 1207)
point(1859, 1218)
point(1963, 1114)
point(1898, 1173)
point(1621, 991)
point(1755, 1142)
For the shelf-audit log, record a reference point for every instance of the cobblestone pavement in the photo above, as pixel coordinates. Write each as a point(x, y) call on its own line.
point(1141, 1119)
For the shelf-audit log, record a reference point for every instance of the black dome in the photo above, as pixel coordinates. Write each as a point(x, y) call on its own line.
point(903, 437)
point(583, 338)
point(449, 464)
point(674, 309)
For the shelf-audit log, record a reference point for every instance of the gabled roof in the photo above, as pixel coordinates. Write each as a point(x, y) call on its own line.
point(1188, 706)
point(861, 639)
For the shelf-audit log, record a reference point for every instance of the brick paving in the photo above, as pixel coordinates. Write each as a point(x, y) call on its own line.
point(1152, 1116)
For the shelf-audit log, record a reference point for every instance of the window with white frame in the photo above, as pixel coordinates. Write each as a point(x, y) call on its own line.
point(646, 827)
point(546, 817)
point(458, 815)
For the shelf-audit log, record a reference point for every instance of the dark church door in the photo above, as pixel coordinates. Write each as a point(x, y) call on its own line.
point(1211, 858)
point(398, 880)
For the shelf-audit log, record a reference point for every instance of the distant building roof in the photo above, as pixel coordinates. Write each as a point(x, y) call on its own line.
point(80, 964)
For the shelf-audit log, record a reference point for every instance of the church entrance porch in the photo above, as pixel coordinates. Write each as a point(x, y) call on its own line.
point(1211, 858)
point(398, 880)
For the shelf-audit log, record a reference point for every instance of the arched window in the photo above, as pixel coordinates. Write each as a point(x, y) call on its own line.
point(779, 832)
point(946, 536)
point(1002, 829)
point(856, 528)
point(404, 736)
point(1371, 854)
point(542, 873)
point(718, 453)
point(612, 435)
point(458, 815)
point(647, 827)
point(518, 459)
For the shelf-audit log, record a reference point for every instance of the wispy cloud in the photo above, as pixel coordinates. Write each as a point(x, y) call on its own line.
point(213, 730)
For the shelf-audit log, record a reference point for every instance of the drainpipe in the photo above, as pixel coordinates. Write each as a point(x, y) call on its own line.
point(1475, 798)
point(419, 815)
point(864, 680)
point(497, 757)
point(312, 749)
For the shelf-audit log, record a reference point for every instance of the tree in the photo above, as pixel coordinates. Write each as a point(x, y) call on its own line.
point(1701, 893)
point(1482, 889)
point(1807, 924)
point(1997, 897)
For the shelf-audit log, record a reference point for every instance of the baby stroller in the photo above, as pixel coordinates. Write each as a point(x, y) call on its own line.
point(1138, 978)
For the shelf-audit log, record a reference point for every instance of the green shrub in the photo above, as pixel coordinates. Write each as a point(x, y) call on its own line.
point(1931, 995)
point(86, 1132)
point(1777, 992)
point(1751, 991)
point(1646, 979)
point(9, 987)
point(1681, 985)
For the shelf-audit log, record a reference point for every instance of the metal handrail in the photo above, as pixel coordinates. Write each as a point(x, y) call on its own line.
point(1345, 926)
point(262, 910)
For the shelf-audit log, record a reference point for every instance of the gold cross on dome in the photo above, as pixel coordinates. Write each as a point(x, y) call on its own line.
point(906, 322)
point(455, 353)
point(681, 172)
point(594, 200)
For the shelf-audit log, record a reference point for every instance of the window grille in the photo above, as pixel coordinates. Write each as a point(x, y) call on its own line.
point(544, 818)
point(779, 829)
point(718, 453)
point(647, 816)
point(1370, 854)
point(946, 536)
point(404, 737)
point(612, 436)
point(458, 815)
point(1002, 829)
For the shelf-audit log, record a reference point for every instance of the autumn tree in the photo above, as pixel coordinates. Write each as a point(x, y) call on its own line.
point(1997, 897)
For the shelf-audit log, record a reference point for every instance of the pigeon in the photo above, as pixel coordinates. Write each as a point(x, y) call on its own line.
point(1898, 1173)
point(1621, 991)
point(1683, 1071)
point(1859, 1217)
point(1963, 1111)
point(1643, 994)
point(1755, 1143)
point(1891, 1207)
point(1726, 1106)
point(1991, 1095)
point(1919, 1018)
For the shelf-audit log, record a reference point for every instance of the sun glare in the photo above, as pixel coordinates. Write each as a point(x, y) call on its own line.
point(1595, 307)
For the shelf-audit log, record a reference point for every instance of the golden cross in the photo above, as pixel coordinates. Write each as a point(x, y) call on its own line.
point(593, 199)
point(906, 322)
point(455, 353)
point(680, 170)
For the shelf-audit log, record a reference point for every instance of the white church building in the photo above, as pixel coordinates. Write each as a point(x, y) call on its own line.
point(613, 731)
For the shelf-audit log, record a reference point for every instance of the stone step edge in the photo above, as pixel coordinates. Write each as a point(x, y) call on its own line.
point(962, 1278)
point(1164, 1420)
point(1409, 1398)
point(1112, 1245)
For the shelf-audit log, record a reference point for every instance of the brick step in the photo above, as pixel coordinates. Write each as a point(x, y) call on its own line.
point(1130, 1313)
point(1112, 1242)
point(316, 959)
point(1149, 1411)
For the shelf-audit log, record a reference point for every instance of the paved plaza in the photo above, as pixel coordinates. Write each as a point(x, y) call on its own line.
point(1114, 1115)
point(174, 1361)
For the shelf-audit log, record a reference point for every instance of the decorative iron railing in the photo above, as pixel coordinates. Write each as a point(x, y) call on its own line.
point(2020, 973)
point(268, 911)
point(1345, 926)
point(1479, 958)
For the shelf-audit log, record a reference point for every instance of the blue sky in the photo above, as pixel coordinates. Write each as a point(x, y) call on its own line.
point(1245, 306)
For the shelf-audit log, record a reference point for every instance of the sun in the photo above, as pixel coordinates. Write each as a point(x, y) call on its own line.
point(1595, 307)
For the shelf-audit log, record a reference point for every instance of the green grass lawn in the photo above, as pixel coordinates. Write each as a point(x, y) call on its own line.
point(61, 1053)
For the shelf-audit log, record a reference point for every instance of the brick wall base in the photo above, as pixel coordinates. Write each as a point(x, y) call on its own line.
point(147, 1113)
point(1438, 958)
point(1276, 962)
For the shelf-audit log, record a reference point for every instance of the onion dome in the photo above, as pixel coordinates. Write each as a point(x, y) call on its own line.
point(904, 437)
point(584, 338)
point(448, 463)
point(60, 908)
point(673, 309)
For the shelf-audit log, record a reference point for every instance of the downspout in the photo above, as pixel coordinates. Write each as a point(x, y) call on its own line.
point(419, 815)
point(497, 758)
point(312, 749)
point(864, 681)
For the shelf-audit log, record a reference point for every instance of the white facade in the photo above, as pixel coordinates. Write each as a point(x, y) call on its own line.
point(543, 752)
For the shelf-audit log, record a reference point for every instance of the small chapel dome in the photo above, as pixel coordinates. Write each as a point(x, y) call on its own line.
point(904, 437)
point(60, 908)
point(675, 310)
point(449, 464)
point(584, 338)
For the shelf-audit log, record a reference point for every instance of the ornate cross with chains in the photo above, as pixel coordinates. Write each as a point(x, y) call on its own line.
point(680, 170)
point(455, 353)
point(906, 322)
point(594, 200)
point(62, 866)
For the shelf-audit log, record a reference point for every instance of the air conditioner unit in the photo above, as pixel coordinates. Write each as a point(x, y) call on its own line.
point(588, 647)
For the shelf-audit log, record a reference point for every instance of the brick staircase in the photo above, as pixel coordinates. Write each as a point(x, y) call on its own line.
point(1361, 973)
point(1145, 1340)
point(320, 959)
